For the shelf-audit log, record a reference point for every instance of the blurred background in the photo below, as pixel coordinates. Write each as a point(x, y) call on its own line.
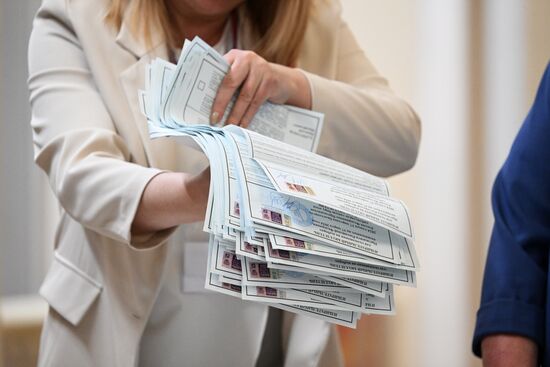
point(469, 67)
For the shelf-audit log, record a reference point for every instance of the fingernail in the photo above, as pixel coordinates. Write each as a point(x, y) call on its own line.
point(214, 117)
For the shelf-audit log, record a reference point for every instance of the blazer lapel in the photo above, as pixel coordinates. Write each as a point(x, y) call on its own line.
point(133, 43)
point(132, 78)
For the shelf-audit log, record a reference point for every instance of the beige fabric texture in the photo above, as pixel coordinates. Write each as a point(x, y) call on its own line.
point(92, 142)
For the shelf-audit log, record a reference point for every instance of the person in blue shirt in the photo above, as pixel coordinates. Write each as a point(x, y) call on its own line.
point(512, 327)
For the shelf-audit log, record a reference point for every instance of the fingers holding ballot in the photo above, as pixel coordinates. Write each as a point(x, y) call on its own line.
point(288, 228)
point(254, 81)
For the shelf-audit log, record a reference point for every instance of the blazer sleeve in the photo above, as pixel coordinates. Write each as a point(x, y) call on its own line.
point(74, 138)
point(514, 294)
point(366, 124)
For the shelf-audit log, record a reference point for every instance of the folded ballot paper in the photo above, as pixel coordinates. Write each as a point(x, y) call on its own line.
point(288, 228)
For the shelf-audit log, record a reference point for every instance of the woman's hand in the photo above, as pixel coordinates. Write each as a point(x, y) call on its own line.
point(170, 199)
point(259, 81)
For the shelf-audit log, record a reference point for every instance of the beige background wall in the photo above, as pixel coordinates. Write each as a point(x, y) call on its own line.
point(470, 68)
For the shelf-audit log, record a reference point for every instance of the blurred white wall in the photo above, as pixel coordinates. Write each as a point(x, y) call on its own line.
point(422, 48)
point(25, 210)
point(470, 69)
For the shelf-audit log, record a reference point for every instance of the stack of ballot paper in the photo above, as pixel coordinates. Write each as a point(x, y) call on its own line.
point(288, 227)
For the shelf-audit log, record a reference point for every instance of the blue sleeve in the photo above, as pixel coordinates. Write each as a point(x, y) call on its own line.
point(514, 292)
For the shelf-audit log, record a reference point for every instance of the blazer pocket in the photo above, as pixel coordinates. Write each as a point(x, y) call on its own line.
point(68, 290)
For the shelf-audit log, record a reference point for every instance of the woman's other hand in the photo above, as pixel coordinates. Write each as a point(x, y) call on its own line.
point(259, 81)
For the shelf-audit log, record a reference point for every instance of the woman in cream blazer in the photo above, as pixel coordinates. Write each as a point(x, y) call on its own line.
point(110, 292)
